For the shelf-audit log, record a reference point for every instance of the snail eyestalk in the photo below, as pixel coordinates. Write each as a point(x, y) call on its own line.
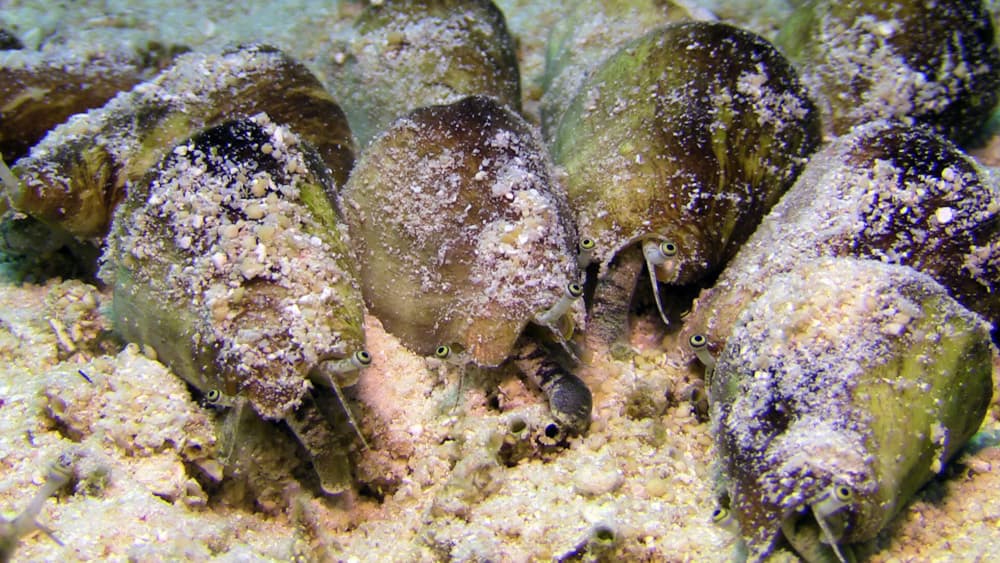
point(657, 254)
point(826, 510)
point(723, 518)
point(699, 344)
point(353, 363)
point(586, 251)
point(57, 475)
point(556, 312)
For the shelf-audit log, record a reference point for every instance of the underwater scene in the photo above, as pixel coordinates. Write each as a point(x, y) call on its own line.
point(499, 281)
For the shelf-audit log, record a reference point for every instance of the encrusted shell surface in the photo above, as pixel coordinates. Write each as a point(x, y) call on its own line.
point(934, 63)
point(229, 259)
point(461, 233)
point(407, 54)
point(845, 372)
point(887, 191)
point(75, 176)
point(687, 134)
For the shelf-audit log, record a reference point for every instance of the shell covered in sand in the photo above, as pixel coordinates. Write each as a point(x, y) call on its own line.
point(74, 177)
point(230, 261)
point(898, 194)
point(462, 235)
point(688, 135)
point(933, 63)
point(407, 54)
point(847, 379)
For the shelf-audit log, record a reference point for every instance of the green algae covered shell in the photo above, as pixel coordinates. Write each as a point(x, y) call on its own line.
point(229, 259)
point(688, 135)
point(76, 175)
point(847, 377)
point(589, 32)
point(462, 236)
point(887, 191)
point(407, 54)
point(934, 63)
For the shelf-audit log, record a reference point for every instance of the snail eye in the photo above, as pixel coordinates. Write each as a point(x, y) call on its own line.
point(843, 493)
point(213, 396)
point(362, 358)
point(720, 514)
point(442, 352)
point(587, 243)
point(668, 248)
point(698, 341)
point(574, 290)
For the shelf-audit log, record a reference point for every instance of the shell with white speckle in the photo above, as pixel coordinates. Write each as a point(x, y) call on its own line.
point(73, 178)
point(932, 63)
point(898, 194)
point(462, 234)
point(844, 388)
point(230, 260)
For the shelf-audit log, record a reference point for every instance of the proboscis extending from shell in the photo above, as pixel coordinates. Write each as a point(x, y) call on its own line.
point(933, 63)
point(679, 143)
point(899, 194)
point(408, 54)
point(230, 260)
point(843, 389)
point(462, 236)
point(75, 176)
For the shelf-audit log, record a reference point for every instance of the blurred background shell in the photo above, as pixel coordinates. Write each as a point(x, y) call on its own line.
point(75, 176)
point(462, 236)
point(687, 134)
point(41, 89)
point(851, 373)
point(588, 33)
point(407, 54)
point(887, 191)
point(934, 63)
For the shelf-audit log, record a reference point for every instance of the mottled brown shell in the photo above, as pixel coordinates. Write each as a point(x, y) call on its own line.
point(462, 235)
point(41, 89)
point(687, 134)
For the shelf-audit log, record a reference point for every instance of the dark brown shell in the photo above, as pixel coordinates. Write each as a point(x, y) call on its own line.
point(934, 63)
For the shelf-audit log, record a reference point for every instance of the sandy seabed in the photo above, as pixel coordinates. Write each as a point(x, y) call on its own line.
point(638, 486)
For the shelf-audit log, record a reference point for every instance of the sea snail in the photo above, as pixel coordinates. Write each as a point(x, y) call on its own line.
point(843, 388)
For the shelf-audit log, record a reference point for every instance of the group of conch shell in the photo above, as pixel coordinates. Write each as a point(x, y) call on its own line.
point(846, 342)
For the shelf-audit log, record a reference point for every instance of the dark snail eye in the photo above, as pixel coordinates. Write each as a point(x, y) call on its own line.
point(574, 289)
point(363, 358)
